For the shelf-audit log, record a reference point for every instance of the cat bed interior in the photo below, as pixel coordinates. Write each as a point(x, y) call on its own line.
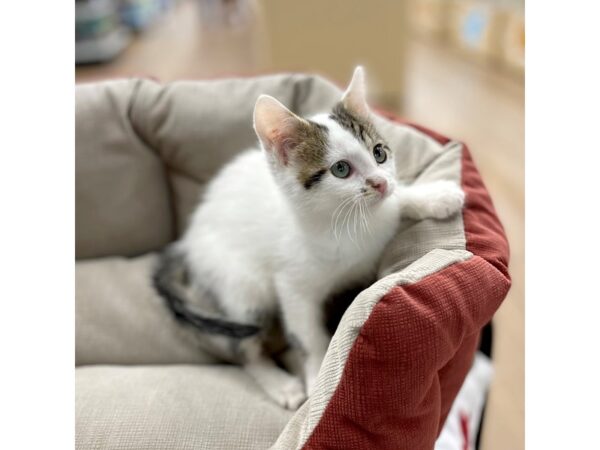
point(144, 153)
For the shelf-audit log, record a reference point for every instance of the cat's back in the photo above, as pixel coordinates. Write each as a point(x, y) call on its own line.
point(240, 212)
point(243, 188)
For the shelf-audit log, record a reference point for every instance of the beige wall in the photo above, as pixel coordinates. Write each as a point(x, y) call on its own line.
point(331, 37)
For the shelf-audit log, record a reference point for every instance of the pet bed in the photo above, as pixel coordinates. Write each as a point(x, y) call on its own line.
point(144, 153)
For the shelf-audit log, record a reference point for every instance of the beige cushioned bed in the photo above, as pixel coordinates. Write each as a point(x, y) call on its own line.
point(144, 152)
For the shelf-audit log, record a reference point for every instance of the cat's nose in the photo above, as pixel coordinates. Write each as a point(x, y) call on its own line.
point(378, 183)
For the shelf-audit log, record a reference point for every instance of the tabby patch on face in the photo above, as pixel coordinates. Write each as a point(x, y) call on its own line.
point(361, 129)
point(309, 154)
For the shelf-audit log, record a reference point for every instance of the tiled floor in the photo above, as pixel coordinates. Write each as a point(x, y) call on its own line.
point(462, 100)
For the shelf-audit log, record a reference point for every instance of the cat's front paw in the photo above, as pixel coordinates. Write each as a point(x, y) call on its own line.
point(290, 394)
point(448, 201)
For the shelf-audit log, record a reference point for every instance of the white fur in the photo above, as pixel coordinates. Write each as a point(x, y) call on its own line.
point(263, 242)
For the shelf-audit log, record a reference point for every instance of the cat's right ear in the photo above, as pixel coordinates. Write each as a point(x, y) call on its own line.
point(355, 97)
point(276, 127)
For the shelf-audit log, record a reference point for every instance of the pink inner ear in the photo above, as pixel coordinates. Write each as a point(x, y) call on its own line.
point(282, 142)
point(355, 102)
point(276, 126)
point(354, 98)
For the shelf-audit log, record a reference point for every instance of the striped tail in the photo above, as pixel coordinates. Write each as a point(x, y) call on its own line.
point(168, 279)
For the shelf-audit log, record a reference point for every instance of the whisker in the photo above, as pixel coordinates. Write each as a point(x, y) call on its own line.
point(354, 217)
point(363, 210)
point(345, 212)
point(367, 218)
point(347, 217)
point(334, 215)
point(337, 215)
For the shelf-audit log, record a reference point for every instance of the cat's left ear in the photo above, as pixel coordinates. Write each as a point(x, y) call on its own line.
point(355, 97)
point(277, 128)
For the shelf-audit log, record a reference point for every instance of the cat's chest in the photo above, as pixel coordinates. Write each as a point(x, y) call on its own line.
point(342, 267)
point(339, 259)
point(343, 260)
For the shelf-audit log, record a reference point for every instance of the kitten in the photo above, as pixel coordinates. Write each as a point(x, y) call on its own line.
point(281, 229)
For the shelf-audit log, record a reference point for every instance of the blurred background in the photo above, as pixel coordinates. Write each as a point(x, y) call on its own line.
point(456, 66)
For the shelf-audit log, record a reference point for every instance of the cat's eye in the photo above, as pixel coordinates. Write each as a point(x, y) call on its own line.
point(379, 154)
point(341, 169)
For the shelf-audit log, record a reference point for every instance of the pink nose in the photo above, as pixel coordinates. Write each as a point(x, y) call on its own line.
point(378, 183)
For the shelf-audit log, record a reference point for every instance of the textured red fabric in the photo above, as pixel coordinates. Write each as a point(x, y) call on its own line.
point(483, 231)
point(409, 360)
point(414, 351)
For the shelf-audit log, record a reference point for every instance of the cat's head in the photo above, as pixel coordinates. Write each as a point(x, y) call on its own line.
point(327, 159)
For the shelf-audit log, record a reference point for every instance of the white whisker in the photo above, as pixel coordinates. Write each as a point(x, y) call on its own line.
point(363, 212)
point(347, 217)
point(367, 218)
point(352, 214)
point(337, 215)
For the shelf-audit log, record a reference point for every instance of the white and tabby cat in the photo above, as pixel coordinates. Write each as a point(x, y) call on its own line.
point(281, 229)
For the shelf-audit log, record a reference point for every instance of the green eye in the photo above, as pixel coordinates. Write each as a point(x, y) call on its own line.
point(341, 169)
point(379, 154)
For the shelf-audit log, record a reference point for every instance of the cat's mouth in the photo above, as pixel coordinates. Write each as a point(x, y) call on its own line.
point(375, 196)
